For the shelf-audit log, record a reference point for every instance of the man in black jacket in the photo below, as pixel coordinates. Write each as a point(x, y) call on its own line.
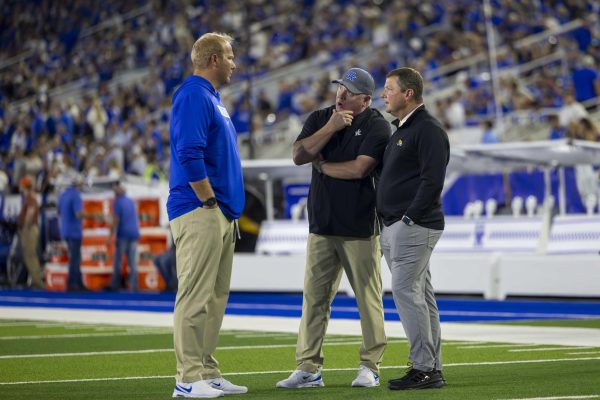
point(345, 143)
point(409, 204)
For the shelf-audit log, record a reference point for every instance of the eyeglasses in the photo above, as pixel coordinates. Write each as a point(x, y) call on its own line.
point(349, 93)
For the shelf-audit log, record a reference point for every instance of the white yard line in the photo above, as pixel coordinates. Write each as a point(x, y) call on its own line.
point(123, 378)
point(287, 371)
point(585, 352)
point(61, 325)
point(261, 335)
point(81, 335)
point(333, 340)
point(491, 346)
point(549, 349)
point(549, 360)
point(85, 354)
point(149, 351)
point(464, 343)
point(591, 396)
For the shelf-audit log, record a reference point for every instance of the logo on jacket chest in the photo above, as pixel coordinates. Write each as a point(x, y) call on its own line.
point(399, 143)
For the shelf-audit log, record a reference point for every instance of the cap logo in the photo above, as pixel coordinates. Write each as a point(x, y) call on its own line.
point(351, 76)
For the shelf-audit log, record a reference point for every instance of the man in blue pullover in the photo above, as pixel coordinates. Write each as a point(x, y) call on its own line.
point(126, 231)
point(70, 209)
point(206, 198)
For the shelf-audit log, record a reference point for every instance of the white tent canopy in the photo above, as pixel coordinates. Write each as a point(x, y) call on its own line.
point(464, 159)
point(499, 157)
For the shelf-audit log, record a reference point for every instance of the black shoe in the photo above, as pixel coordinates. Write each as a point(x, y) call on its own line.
point(417, 379)
point(437, 371)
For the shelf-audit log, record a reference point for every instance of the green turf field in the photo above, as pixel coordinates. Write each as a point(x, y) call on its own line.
point(49, 360)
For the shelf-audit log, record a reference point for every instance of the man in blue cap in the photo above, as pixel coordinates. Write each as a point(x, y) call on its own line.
point(345, 142)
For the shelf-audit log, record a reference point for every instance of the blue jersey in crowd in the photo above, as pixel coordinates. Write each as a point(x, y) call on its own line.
point(69, 204)
point(124, 210)
point(203, 144)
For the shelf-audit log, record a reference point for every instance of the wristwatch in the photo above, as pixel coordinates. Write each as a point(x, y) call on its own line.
point(406, 219)
point(210, 202)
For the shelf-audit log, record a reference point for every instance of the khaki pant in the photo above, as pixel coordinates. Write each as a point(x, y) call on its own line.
point(360, 259)
point(204, 242)
point(29, 236)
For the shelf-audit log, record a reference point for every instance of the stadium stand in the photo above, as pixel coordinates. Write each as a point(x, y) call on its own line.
point(85, 87)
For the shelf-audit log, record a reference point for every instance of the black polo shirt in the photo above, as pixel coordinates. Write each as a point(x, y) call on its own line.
point(346, 207)
point(413, 173)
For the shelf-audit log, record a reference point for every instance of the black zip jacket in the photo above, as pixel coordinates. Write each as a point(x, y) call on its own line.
point(414, 169)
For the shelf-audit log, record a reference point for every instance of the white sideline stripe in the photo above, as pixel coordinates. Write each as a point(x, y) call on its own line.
point(491, 346)
point(79, 335)
point(334, 340)
point(516, 362)
point(591, 396)
point(89, 353)
point(550, 349)
point(224, 348)
point(586, 352)
point(287, 371)
point(32, 324)
point(482, 333)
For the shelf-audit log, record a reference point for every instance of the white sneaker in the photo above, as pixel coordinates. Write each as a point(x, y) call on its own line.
point(365, 378)
point(301, 379)
point(197, 390)
point(226, 386)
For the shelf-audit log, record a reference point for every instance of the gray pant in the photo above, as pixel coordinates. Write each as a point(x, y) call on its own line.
point(407, 250)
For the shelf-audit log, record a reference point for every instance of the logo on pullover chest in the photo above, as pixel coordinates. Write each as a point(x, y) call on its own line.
point(223, 111)
point(358, 132)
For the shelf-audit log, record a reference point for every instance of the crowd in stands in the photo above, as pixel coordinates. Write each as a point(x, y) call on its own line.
point(116, 129)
